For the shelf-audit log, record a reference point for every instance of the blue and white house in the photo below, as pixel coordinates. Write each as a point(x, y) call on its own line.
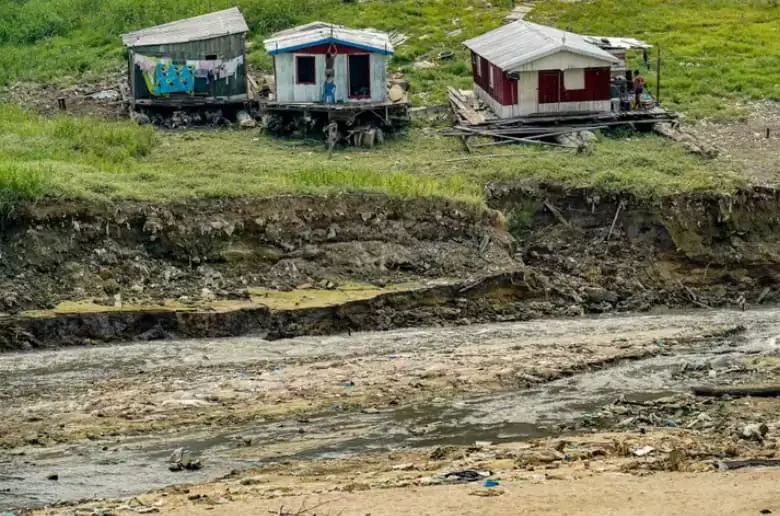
point(325, 63)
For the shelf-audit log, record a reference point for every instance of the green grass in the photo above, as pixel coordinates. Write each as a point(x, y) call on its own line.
point(58, 41)
point(96, 159)
point(715, 52)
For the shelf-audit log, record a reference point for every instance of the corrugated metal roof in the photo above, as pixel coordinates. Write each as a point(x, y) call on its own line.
point(207, 26)
point(318, 33)
point(611, 42)
point(523, 42)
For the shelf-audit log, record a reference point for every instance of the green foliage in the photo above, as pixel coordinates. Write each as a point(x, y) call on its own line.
point(94, 158)
point(714, 52)
point(20, 183)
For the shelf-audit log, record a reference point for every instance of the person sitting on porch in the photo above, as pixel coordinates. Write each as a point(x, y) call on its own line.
point(329, 89)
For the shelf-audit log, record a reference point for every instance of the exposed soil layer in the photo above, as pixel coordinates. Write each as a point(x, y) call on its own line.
point(189, 269)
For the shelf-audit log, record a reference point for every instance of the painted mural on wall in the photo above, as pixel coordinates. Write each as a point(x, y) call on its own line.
point(163, 76)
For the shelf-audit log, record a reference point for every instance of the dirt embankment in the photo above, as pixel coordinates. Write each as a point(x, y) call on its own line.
point(622, 252)
point(211, 268)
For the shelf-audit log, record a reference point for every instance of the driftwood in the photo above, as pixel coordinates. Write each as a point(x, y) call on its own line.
point(485, 156)
point(757, 463)
point(462, 109)
point(760, 391)
point(621, 204)
point(688, 140)
point(557, 214)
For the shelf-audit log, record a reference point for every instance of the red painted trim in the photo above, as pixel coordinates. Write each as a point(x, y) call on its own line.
point(325, 48)
point(597, 87)
point(349, 79)
point(314, 59)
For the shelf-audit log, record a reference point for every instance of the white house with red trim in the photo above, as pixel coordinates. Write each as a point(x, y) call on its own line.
point(524, 69)
point(356, 59)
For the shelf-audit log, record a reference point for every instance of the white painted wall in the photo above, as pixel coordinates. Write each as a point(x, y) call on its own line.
point(495, 106)
point(528, 100)
point(576, 107)
point(378, 77)
point(563, 61)
point(527, 94)
point(288, 91)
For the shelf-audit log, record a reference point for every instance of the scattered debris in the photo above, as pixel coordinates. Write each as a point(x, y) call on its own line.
point(466, 476)
point(740, 464)
point(643, 451)
point(755, 431)
point(768, 391)
point(52, 476)
point(182, 459)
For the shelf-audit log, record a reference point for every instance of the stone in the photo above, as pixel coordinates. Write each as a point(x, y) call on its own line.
point(140, 118)
point(245, 120)
point(755, 431)
point(434, 371)
point(595, 294)
point(181, 458)
point(206, 294)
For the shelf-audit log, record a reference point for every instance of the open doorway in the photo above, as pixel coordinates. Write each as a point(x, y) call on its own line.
point(359, 76)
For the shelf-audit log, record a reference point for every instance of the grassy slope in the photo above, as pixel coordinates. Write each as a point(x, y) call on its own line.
point(717, 52)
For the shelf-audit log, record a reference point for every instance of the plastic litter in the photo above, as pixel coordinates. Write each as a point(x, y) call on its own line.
point(643, 451)
point(466, 476)
point(491, 483)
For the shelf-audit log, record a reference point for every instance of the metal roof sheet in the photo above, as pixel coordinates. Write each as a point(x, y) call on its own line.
point(207, 26)
point(612, 42)
point(318, 33)
point(522, 42)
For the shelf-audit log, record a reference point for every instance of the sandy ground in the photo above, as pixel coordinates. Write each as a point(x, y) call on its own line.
point(739, 493)
point(530, 481)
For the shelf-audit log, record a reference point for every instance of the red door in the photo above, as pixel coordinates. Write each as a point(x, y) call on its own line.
point(550, 87)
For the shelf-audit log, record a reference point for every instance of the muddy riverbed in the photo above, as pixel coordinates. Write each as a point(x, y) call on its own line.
point(105, 419)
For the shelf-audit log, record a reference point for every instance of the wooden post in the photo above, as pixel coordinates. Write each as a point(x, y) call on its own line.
point(658, 78)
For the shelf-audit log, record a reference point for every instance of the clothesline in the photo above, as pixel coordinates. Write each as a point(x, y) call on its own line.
point(162, 76)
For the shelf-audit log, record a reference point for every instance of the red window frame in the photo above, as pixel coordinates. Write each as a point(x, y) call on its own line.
point(314, 62)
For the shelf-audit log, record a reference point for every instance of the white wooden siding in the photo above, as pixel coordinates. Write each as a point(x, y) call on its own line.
point(286, 88)
point(288, 91)
point(576, 107)
point(528, 100)
point(378, 77)
point(528, 94)
point(495, 106)
point(563, 61)
point(341, 77)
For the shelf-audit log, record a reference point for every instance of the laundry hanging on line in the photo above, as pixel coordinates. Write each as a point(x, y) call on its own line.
point(163, 77)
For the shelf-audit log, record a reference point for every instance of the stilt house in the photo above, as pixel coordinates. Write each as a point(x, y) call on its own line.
point(524, 68)
point(197, 61)
point(352, 62)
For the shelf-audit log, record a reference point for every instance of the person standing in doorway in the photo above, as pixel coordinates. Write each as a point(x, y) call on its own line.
point(329, 89)
point(639, 87)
